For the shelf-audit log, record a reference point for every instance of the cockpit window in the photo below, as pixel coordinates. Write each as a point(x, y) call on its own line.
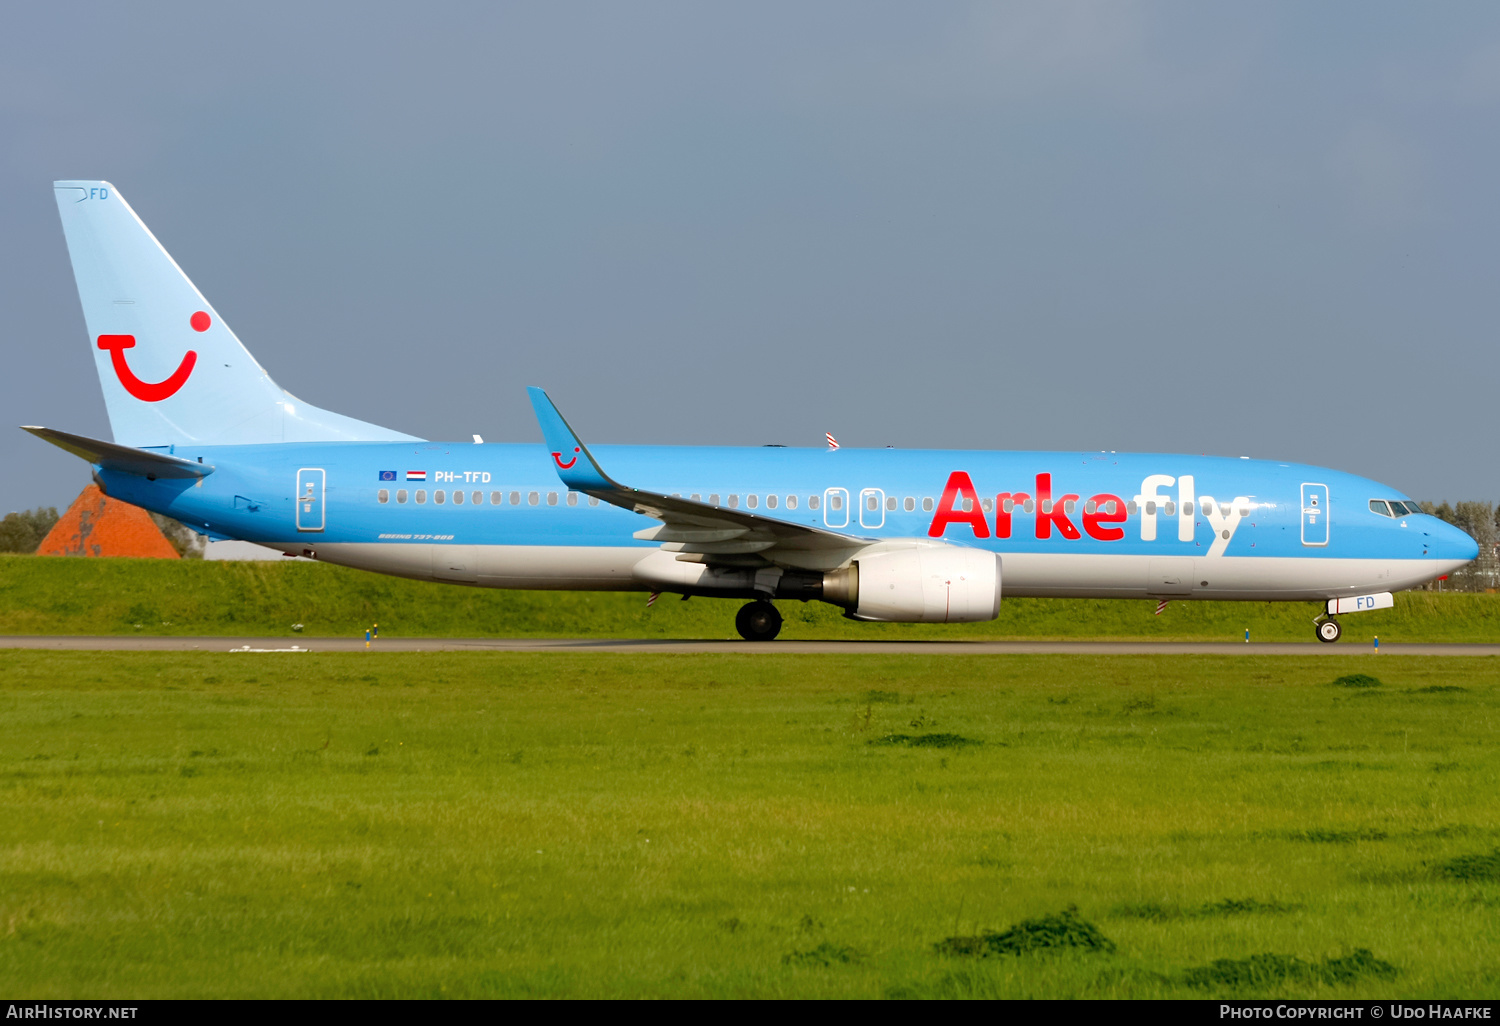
point(1403, 509)
point(1394, 508)
point(1380, 506)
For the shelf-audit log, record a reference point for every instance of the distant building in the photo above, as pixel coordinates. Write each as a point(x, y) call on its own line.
point(96, 525)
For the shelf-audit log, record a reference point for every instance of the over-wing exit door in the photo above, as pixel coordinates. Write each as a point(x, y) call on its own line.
point(310, 486)
point(1314, 514)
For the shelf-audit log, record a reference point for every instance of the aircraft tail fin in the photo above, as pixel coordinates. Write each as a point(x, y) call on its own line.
point(171, 370)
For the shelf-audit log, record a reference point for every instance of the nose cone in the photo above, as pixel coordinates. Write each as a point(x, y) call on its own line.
point(1451, 544)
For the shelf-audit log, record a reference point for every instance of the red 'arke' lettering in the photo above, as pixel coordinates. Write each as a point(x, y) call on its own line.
point(1058, 511)
point(1002, 515)
point(950, 509)
point(1116, 515)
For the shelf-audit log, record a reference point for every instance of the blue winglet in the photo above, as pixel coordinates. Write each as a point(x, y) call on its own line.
point(574, 464)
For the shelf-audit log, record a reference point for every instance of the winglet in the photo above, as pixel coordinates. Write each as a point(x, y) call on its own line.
point(574, 464)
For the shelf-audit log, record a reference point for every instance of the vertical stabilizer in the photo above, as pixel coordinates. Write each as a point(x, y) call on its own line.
point(171, 369)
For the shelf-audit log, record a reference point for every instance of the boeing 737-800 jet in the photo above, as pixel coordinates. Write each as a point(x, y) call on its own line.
point(202, 434)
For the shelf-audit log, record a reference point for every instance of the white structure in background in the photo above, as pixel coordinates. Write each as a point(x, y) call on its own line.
point(241, 550)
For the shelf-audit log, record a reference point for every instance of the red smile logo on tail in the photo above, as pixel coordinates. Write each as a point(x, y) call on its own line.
point(557, 456)
point(152, 391)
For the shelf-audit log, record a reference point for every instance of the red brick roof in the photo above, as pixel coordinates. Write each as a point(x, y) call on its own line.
point(96, 525)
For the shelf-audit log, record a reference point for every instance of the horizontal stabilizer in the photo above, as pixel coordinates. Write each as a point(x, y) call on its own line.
point(122, 458)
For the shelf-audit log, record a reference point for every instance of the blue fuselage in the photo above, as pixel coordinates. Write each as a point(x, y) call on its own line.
point(1051, 514)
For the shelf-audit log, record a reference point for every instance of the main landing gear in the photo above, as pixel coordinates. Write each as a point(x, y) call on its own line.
point(1328, 630)
point(758, 621)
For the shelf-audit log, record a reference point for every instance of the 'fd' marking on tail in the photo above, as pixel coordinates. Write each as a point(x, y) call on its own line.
point(145, 391)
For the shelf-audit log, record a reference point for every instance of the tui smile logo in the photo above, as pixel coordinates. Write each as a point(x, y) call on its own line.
point(152, 391)
point(557, 457)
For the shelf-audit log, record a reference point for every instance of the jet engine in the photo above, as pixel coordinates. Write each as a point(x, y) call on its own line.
point(922, 584)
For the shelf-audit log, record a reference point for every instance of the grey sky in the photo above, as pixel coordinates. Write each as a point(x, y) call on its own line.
point(1263, 229)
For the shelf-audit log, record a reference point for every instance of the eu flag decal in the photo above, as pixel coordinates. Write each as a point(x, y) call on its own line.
point(387, 475)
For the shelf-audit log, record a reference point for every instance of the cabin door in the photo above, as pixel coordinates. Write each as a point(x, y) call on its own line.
point(1314, 514)
point(311, 483)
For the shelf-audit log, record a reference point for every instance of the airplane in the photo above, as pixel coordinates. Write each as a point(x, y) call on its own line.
point(201, 433)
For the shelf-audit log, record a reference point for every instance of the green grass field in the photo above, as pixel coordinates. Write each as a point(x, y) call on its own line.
point(192, 597)
point(391, 825)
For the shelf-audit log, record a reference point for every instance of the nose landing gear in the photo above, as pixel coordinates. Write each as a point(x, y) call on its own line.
point(758, 621)
point(1328, 630)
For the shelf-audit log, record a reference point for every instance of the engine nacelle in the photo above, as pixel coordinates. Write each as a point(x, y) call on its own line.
point(923, 584)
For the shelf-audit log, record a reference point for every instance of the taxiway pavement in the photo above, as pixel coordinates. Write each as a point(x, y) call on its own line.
point(298, 643)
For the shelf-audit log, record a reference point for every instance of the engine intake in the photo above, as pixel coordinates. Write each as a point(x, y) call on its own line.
point(923, 584)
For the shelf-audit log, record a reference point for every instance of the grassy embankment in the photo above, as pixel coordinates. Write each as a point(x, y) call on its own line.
point(504, 825)
point(124, 596)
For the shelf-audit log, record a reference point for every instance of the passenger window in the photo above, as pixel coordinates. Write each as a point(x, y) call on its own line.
point(1029, 506)
point(1131, 508)
point(1171, 508)
point(439, 497)
point(1109, 507)
point(927, 504)
point(752, 501)
point(421, 496)
point(908, 504)
point(1046, 505)
point(1208, 508)
point(871, 503)
point(552, 498)
point(458, 498)
point(696, 497)
point(791, 502)
point(713, 499)
point(572, 498)
point(1379, 506)
point(1150, 509)
point(477, 498)
point(515, 498)
point(1090, 506)
point(383, 496)
point(734, 502)
point(1244, 511)
point(593, 500)
point(987, 505)
point(496, 498)
point(1008, 505)
point(533, 498)
point(1069, 505)
point(770, 502)
point(835, 502)
point(812, 502)
point(401, 495)
point(890, 503)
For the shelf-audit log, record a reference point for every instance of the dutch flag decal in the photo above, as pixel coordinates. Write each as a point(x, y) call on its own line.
point(416, 475)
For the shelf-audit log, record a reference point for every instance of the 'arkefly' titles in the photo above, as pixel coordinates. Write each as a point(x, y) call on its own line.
point(1100, 516)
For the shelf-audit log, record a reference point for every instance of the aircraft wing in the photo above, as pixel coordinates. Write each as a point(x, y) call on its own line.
point(696, 531)
point(123, 458)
